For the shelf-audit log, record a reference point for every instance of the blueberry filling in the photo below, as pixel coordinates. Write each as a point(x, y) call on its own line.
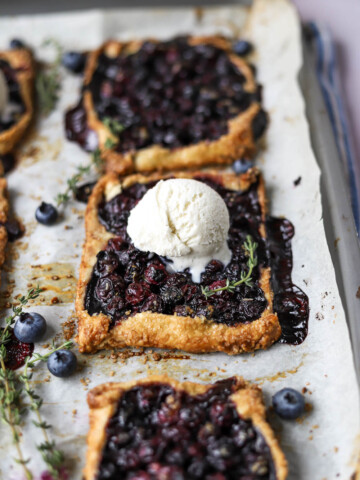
point(158, 433)
point(126, 281)
point(7, 121)
point(170, 93)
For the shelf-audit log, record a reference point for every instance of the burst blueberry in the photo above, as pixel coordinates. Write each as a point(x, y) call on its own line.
point(46, 214)
point(30, 327)
point(62, 363)
point(289, 403)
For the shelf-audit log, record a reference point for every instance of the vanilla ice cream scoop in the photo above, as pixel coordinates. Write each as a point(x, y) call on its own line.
point(184, 220)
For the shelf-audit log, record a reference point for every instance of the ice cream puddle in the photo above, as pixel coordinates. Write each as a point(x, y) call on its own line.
point(184, 220)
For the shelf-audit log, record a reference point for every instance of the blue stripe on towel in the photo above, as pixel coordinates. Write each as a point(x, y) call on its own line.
point(327, 74)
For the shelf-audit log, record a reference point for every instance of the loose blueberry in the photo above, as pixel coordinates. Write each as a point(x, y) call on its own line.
point(46, 214)
point(30, 327)
point(16, 43)
point(74, 61)
point(242, 165)
point(62, 363)
point(289, 403)
point(242, 47)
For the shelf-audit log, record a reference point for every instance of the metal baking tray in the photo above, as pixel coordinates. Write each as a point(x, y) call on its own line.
point(338, 219)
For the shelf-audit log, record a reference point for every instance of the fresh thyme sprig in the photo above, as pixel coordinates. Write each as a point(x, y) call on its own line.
point(48, 80)
point(72, 185)
point(11, 410)
point(10, 391)
point(81, 171)
point(109, 143)
point(53, 457)
point(37, 357)
point(96, 159)
point(245, 277)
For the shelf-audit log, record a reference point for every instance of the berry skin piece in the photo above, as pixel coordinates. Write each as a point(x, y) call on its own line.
point(242, 47)
point(30, 327)
point(74, 61)
point(46, 214)
point(288, 403)
point(62, 363)
point(16, 43)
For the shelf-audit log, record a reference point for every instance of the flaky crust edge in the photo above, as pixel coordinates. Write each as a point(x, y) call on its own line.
point(237, 143)
point(103, 401)
point(4, 211)
point(22, 61)
point(147, 329)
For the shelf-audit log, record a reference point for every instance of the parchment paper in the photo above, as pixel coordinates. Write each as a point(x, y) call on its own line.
point(319, 446)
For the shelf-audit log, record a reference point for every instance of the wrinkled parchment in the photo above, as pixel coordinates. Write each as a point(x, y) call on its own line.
point(322, 443)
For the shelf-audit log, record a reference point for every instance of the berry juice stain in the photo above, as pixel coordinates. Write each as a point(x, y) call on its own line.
point(126, 280)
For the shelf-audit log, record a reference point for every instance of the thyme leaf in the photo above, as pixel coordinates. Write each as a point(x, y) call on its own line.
point(72, 185)
point(245, 277)
point(113, 125)
point(109, 143)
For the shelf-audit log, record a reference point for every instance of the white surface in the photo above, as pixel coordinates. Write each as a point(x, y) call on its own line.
point(184, 220)
point(321, 445)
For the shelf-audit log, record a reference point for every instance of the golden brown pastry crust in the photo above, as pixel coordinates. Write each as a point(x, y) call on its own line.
point(104, 398)
point(22, 61)
point(149, 329)
point(4, 211)
point(237, 143)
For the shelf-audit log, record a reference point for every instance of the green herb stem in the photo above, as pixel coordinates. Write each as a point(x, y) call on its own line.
point(245, 277)
point(11, 392)
point(52, 457)
point(47, 81)
point(10, 412)
point(72, 185)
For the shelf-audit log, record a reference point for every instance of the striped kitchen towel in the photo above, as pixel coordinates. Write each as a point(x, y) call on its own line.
point(329, 79)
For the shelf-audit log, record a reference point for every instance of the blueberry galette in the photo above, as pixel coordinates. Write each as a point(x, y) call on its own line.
point(16, 96)
point(157, 428)
point(181, 103)
point(128, 296)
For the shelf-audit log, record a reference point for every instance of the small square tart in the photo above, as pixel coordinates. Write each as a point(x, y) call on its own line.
point(20, 60)
point(238, 142)
point(104, 398)
point(147, 329)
